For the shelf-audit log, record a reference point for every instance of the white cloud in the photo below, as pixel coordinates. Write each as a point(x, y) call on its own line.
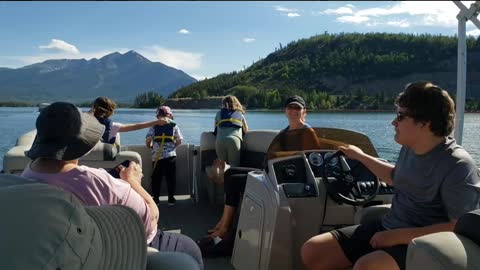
point(402, 14)
point(57, 45)
point(184, 31)
point(352, 19)
point(174, 58)
point(338, 11)
point(289, 12)
point(284, 9)
point(402, 23)
point(248, 40)
point(475, 33)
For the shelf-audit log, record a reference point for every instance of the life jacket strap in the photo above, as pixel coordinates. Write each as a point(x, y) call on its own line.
point(162, 139)
point(231, 120)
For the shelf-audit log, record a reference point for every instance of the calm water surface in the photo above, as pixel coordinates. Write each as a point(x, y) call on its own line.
point(17, 121)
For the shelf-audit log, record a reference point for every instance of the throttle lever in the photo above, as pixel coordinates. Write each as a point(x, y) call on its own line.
point(344, 164)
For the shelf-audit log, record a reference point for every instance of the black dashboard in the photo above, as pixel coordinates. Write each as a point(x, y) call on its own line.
point(291, 173)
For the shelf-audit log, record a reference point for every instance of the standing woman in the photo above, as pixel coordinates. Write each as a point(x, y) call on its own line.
point(230, 125)
point(103, 108)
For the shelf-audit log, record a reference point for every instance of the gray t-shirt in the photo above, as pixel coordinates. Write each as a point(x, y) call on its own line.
point(433, 188)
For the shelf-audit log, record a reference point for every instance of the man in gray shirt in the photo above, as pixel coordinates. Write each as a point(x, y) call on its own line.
point(436, 181)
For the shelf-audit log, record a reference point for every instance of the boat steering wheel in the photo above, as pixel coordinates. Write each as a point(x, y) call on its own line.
point(343, 180)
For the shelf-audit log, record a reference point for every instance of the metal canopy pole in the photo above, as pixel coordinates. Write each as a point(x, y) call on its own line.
point(462, 17)
point(461, 77)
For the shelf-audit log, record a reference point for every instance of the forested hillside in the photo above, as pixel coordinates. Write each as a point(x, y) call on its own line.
point(346, 71)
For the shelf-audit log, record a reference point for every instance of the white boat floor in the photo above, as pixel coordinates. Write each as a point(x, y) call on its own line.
point(193, 220)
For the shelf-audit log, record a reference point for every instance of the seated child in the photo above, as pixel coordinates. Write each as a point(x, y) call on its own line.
point(163, 140)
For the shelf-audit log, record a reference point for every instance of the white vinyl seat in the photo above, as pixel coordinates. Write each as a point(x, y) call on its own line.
point(102, 156)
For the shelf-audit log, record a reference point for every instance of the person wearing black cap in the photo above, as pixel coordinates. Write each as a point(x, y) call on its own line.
point(296, 113)
point(64, 135)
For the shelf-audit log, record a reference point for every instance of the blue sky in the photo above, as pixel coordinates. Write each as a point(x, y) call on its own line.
point(203, 39)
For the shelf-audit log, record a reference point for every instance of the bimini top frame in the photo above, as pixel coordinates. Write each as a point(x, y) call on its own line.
point(462, 17)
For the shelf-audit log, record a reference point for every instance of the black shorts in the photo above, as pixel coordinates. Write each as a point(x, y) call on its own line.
point(355, 242)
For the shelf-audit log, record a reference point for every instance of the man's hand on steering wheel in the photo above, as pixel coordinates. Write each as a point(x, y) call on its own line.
point(351, 151)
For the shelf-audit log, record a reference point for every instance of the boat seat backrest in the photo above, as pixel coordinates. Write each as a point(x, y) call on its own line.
point(102, 151)
point(254, 148)
point(102, 155)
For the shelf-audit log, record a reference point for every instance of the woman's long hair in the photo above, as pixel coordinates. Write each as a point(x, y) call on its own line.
point(232, 103)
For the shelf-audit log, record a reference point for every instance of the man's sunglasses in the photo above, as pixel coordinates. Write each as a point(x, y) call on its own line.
point(401, 116)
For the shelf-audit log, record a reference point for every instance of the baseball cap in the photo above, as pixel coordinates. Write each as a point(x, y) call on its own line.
point(64, 133)
point(164, 111)
point(44, 227)
point(298, 100)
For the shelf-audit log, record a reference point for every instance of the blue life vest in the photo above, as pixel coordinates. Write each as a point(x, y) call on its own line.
point(230, 118)
point(107, 122)
point(163, 133)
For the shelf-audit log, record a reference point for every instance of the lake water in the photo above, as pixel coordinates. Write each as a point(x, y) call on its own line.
point(17, 121)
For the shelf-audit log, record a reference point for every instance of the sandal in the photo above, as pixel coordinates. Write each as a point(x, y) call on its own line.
point(215, 247)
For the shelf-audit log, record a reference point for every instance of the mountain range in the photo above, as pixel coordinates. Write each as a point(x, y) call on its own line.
point(119, 76)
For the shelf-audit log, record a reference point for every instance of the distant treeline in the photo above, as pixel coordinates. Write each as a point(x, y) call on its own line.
point(315, 101)
point(16, 104)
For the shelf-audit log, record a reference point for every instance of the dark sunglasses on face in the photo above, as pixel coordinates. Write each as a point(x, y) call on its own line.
point(294, 107)
point(401, 116)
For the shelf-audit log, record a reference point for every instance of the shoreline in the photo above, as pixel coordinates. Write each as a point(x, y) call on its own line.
point(254, 110)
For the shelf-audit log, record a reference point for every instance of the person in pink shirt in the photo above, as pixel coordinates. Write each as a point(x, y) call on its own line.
point(64, 134)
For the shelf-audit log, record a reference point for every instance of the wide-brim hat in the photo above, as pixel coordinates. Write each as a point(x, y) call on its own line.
point(64, 133)
point(44, 227)
point(297, 100)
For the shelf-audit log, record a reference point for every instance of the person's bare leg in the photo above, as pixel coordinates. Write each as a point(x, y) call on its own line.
point(323, 252)
point(376, 260)
point(228, 213)
point(219, 224)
